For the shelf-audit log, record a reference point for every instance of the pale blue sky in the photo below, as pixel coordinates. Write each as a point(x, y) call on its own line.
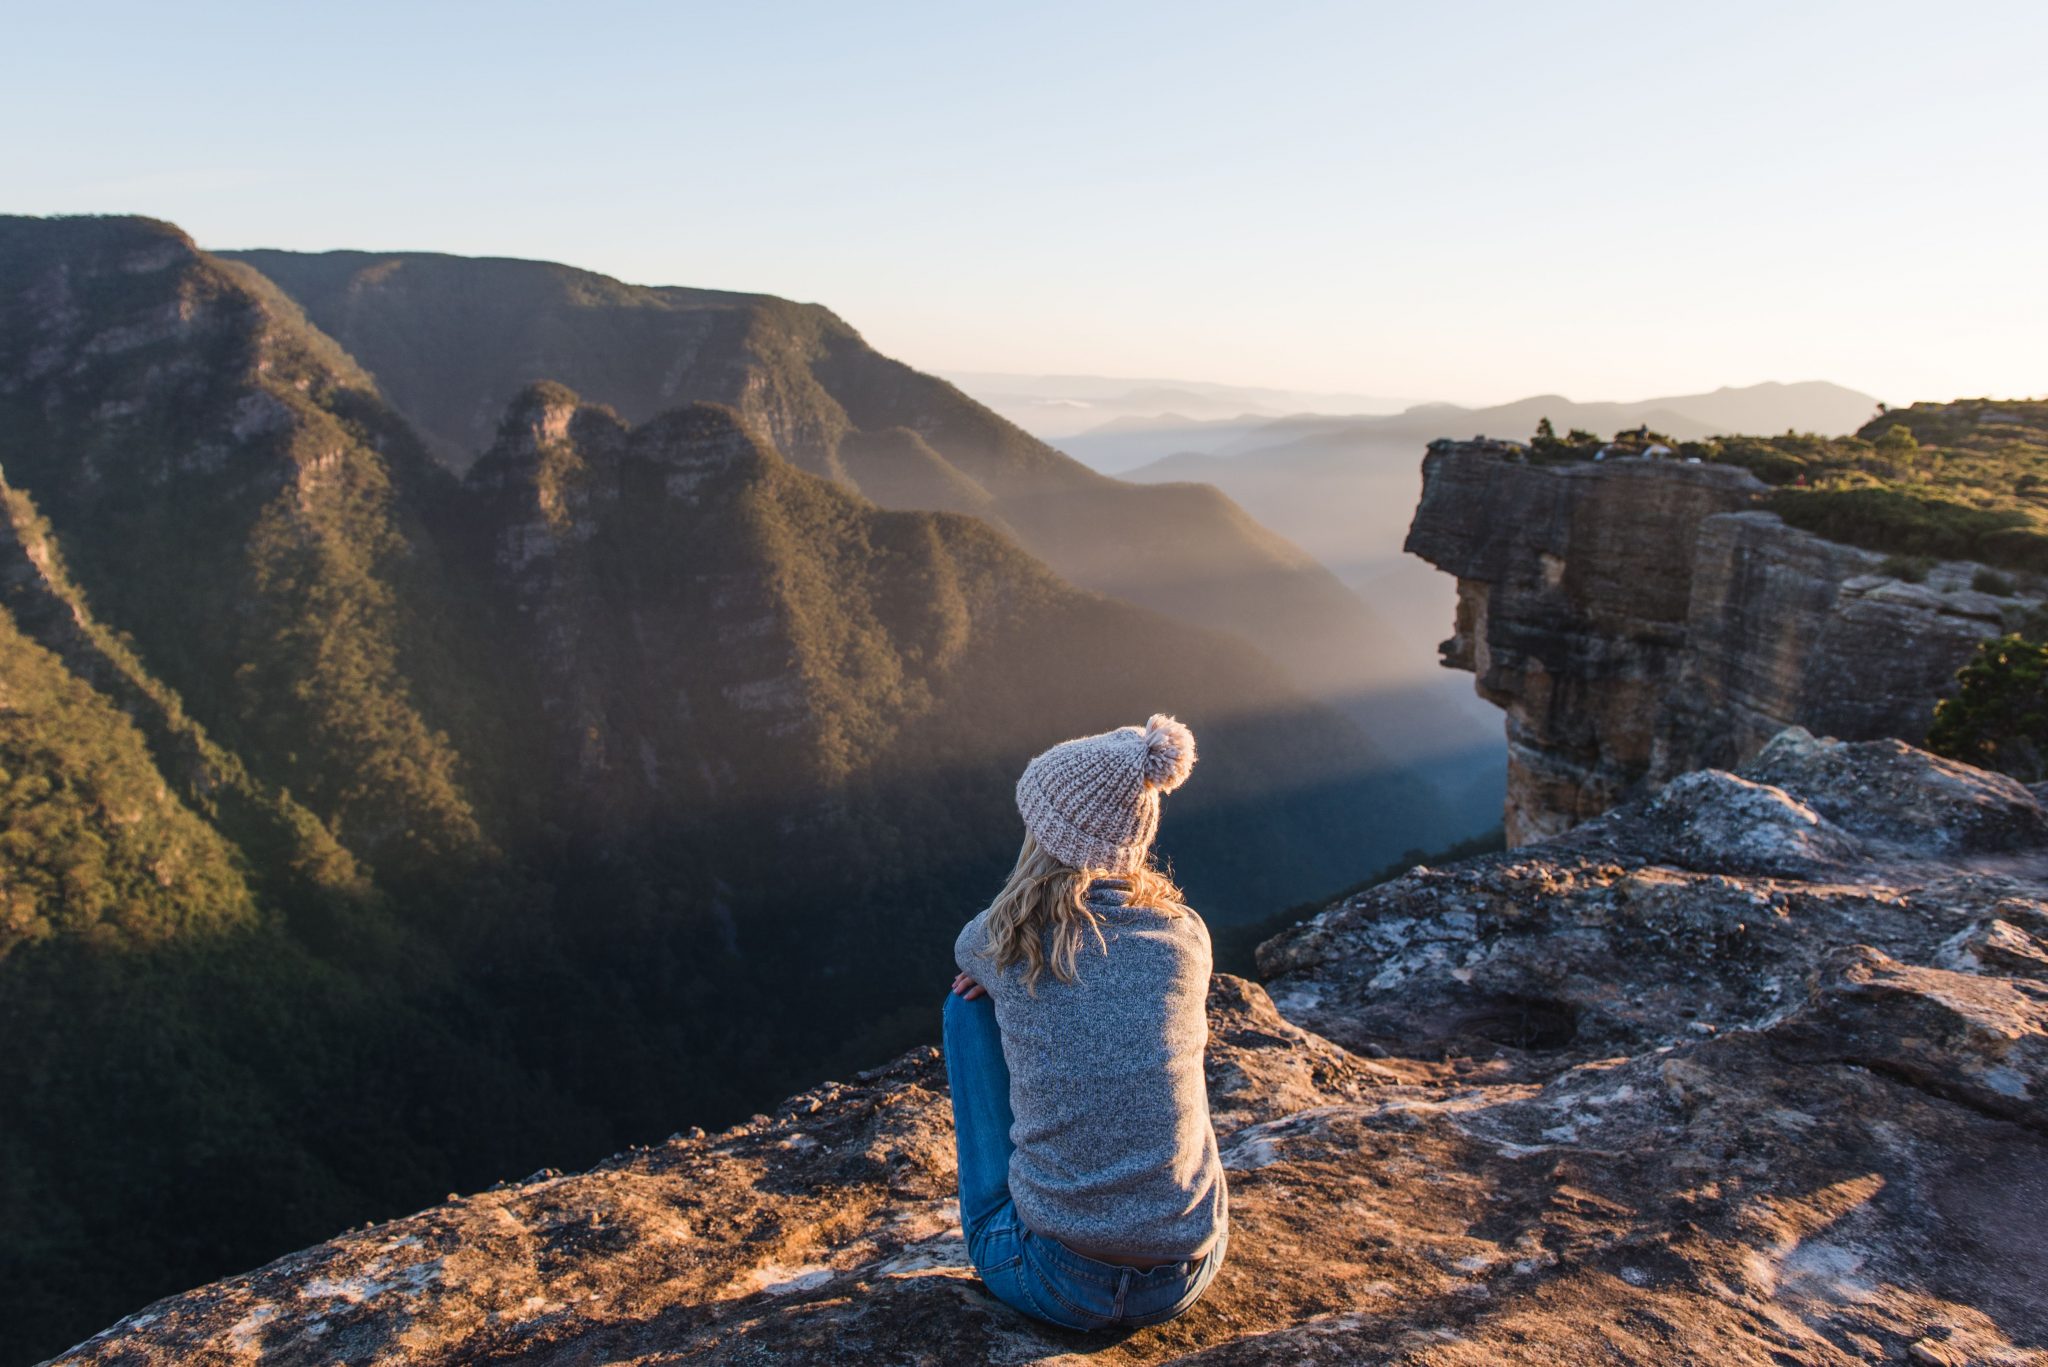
point(1458, 201)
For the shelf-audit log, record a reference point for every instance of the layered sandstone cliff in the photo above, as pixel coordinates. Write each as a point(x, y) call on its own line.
point(1636, 619)
point(1753, 1072)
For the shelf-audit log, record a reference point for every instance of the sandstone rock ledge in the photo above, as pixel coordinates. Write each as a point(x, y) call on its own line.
point(1755, 1072)
point(1638, 619)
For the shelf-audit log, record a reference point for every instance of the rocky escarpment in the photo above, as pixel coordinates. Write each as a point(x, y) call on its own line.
point(1755, 1071)
point(1637, 618)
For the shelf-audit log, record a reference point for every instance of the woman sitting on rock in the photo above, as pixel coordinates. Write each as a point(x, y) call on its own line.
point(1091, 1194)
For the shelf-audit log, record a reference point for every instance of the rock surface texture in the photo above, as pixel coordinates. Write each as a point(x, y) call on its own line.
point(1753, 1071)
point(1637, 619)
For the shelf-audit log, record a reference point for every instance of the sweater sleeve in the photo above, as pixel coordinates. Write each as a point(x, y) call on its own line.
point(967, 946)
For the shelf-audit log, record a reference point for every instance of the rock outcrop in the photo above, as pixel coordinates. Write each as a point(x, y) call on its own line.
point(1637, 619)
point(1753, 1071)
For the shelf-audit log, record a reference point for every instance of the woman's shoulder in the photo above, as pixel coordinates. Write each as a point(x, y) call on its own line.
point(1178, 918)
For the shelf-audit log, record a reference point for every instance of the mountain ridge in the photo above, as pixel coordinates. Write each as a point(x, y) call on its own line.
point(814, 386)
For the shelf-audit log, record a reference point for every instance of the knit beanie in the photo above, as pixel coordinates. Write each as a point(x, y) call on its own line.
point(1093, 802)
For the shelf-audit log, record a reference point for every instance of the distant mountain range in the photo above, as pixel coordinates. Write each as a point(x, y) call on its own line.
point(1134, 440)
point(462, 715)
point(1058, 406)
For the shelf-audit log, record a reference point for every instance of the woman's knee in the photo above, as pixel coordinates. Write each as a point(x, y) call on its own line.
point(960, 1034)
point(958, 1008)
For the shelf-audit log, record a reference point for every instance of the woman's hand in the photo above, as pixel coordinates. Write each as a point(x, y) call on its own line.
point(967, 987)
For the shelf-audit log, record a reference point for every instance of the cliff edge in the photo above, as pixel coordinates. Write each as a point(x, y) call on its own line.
point(1753, 1071)
point(1640, 618)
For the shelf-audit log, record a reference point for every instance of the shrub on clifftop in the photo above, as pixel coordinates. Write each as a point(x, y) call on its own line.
point(1998, 718)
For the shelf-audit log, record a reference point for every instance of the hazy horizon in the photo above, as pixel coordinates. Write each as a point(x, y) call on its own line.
point(1468, 207)
point(1378, 404)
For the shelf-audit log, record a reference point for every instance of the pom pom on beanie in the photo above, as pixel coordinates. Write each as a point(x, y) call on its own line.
point(1169, 753)
point(1093, 802)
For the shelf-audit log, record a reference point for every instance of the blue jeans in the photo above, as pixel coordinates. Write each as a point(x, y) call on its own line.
point(1032, 1272)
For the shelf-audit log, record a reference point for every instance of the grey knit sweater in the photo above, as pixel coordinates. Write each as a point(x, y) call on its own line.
point(1114, 1148)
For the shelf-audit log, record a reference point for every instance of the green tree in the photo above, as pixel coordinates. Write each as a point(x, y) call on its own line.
point(1998, 716)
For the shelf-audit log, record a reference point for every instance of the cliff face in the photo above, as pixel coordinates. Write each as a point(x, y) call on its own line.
point(1755, 1072)
point(1636, 619)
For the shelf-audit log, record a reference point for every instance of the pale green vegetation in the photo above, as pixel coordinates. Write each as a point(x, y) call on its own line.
point(1954, 481)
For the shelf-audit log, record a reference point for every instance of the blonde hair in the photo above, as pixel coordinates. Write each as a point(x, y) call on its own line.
point(1043, 892)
